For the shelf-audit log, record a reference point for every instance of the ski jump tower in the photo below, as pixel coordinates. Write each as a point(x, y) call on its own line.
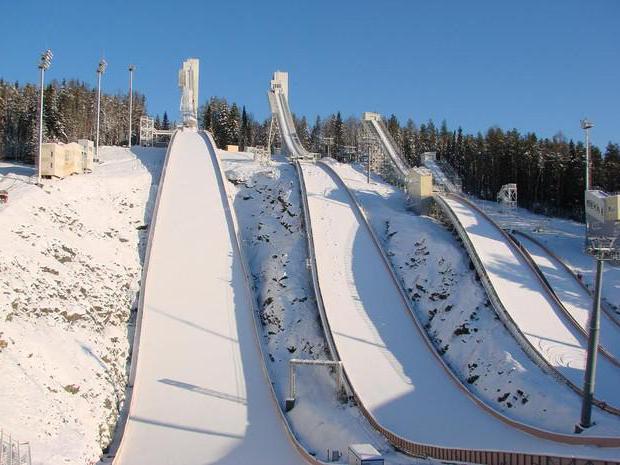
point(188, 83)
point(282, 119)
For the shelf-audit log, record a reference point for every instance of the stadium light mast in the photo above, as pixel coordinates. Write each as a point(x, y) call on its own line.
point(44, 64)
point(586, 125)
point(100, 70)
point(132, 68)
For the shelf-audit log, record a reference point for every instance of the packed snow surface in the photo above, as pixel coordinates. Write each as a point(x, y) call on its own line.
point(566, 239)
point(201, 395)
point(70, 265)
point(576, 300)
point(396, 376)
point(531, 307)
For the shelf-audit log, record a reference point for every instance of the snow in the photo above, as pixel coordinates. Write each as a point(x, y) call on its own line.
point(200, 395)
point(385, 344)
point(70, 265)
point(531, 308)
point(573, 296)
point(566, 239)
point(268, 206)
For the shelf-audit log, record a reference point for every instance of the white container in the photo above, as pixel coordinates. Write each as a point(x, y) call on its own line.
point(364, 454)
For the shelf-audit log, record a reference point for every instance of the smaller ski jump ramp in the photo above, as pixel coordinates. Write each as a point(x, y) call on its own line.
point(539, 321)
point(200, 394)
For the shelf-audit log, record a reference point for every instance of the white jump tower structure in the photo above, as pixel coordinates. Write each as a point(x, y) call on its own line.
point(188, 83)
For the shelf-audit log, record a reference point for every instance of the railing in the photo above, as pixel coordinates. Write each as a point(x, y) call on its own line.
point(498, 305)
point(610, 313)
point(415, 449)
point(12, 451)
point(233, 226)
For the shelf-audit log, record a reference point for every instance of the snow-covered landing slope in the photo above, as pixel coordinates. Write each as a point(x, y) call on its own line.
point(575, 298)
point(200, 394)
point(531, 308)
point(393, 371)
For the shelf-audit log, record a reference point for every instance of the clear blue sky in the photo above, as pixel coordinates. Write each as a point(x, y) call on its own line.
point(534, 65)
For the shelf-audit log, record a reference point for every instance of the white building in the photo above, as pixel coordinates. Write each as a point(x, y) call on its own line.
point(61, 160)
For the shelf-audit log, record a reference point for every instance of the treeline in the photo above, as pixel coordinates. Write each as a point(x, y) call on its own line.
point(69, 114)
point(550, 173)
point(232, 124)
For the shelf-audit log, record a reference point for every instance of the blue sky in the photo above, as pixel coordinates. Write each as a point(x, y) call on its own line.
point(533, 65)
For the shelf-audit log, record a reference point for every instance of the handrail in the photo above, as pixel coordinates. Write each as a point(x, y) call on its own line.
point(499, 307)
point(233, 227)
point(490, 457)
point(564, 265)
point(560, 304)
point(119, 431)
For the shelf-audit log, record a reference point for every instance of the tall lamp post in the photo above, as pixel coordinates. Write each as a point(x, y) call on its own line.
point(44, 64)
point(586, 126)
point(100, 70)
point(132, 68)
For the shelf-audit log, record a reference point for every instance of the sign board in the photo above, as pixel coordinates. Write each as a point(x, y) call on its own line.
point(603, 221)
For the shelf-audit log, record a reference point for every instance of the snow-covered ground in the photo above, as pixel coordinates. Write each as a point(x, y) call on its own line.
point(458, 317)
point(70, 264)
point(268, 206)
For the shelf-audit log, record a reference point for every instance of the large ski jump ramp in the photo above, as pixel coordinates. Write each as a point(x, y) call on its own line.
point(200, 395)
point(531, 306)
point(396, 376)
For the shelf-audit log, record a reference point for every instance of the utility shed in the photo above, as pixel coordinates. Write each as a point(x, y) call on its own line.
point(62, 160)
point(364, 454)
point(420, 189)
point(232, 148)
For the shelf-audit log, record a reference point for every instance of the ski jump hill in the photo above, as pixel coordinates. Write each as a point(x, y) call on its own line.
point(200, 389)
point(399, 381)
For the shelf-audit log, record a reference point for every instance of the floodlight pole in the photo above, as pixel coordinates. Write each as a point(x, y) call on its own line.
point(100, 70)
point(131, 70)
point(586, 126)
point(46, 60)
point(593, 338)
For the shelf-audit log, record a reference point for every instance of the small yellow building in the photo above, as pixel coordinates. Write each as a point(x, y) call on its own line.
point(420, 188)
point(232, 148)
point(61, 160)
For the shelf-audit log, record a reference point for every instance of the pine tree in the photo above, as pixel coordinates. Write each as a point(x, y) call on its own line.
point(244, 130)
point(338, 133)
point(233, 123)
point(315, 135)
point(165, 123)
